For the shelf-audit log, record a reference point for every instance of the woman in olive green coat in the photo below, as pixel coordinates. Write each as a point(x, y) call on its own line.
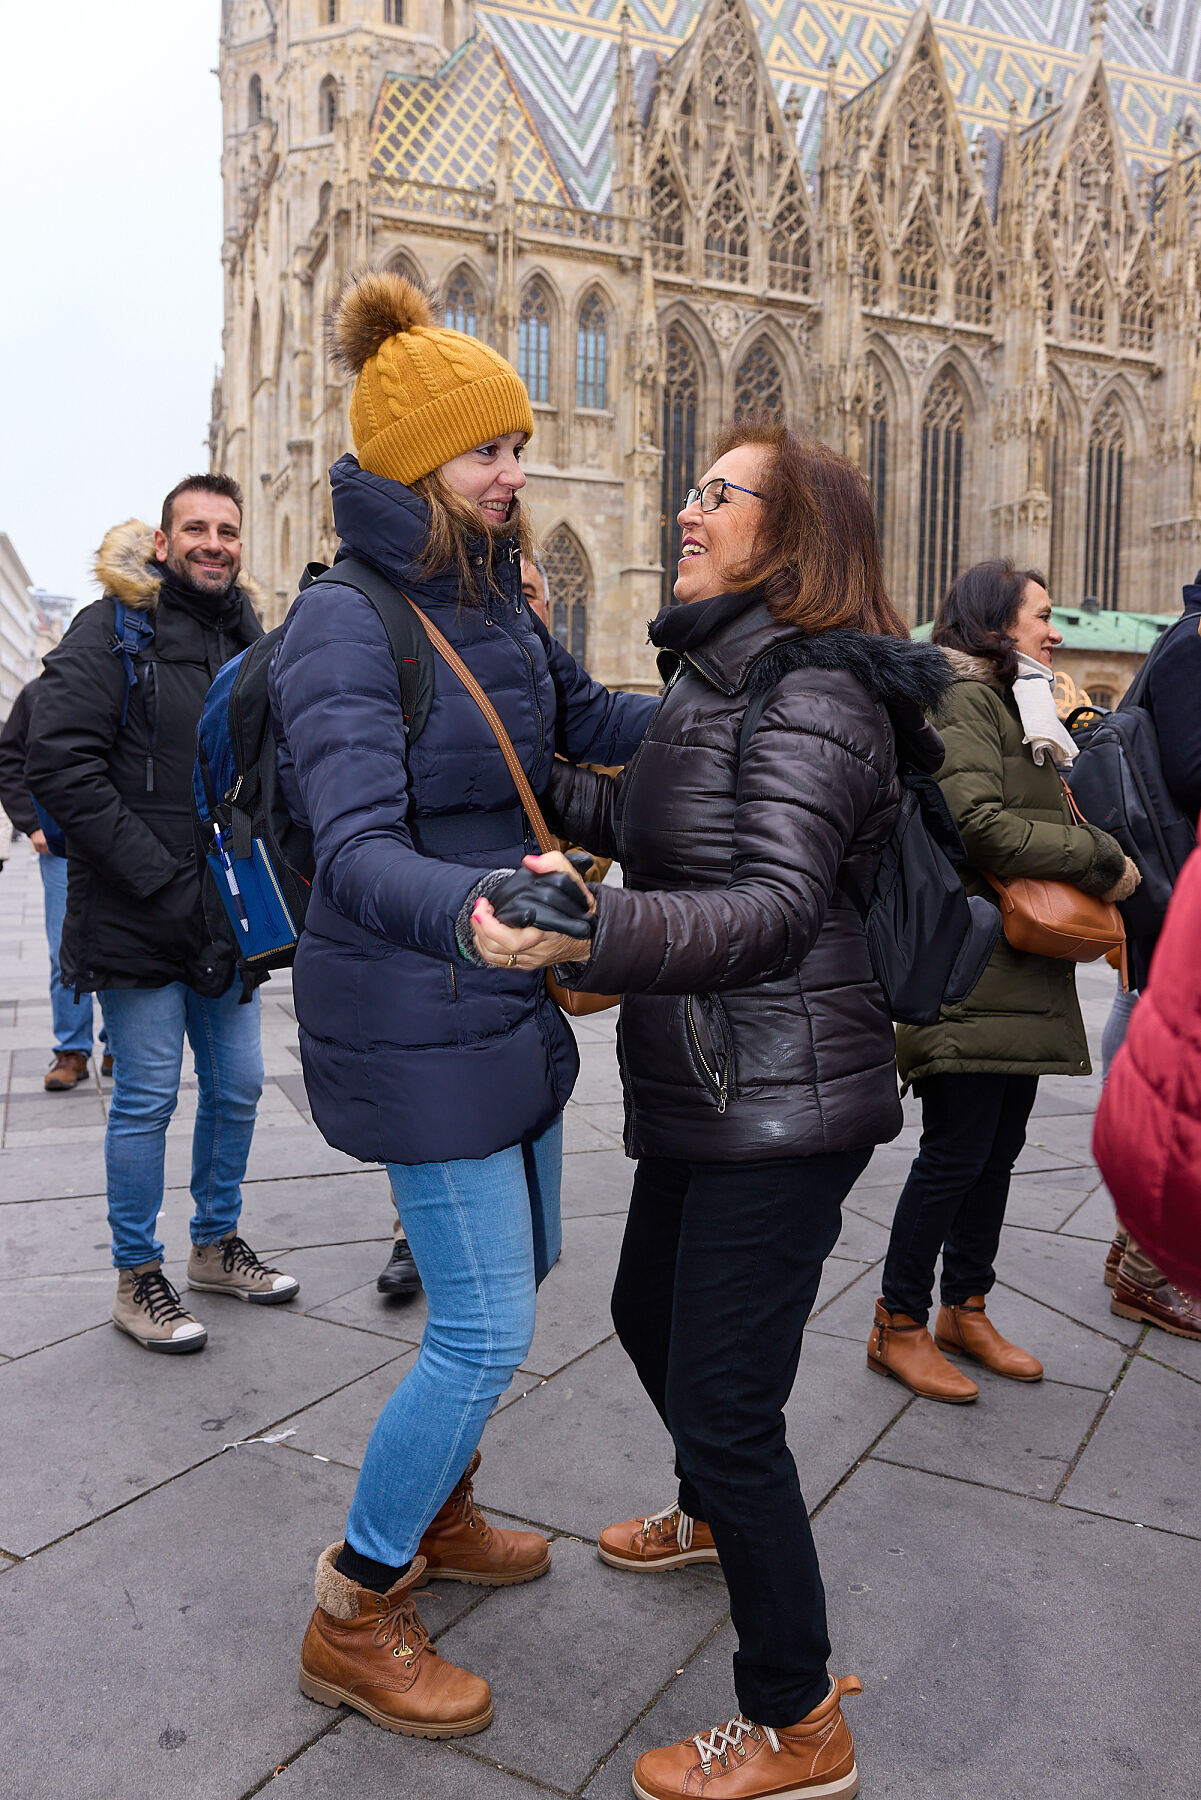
point(976, 1071)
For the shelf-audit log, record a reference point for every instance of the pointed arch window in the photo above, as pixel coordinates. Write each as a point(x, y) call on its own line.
point(592, 354)
point(940, 509)
point(1044, 274)
point(402, 264)
point(1137, 327)
point(666, 218)
point(727, 235)
point(1054, 469)
point(569, 589)
point(867, 248)
point(973, 277)
point(448, 23)
point(533, 343)
point(681, 394)
point(254, 101)
point(1103, 517)
point(873, 455)
point(461, 312)
point(1086, 309)
point(758, 383)
point(917, 272)
point(327, 105)
point(789, 251)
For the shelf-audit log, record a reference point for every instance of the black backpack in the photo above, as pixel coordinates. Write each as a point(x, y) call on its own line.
point(260, 861)
point(929, 941)
point(1118, 783)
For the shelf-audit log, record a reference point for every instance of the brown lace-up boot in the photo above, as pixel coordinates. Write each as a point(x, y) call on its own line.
point(744, 1761)
point(968, 1331)
point(667, 1540)
point(68, 1069)
point(372, 1652)
point(460, 1544)
point(900, 1347)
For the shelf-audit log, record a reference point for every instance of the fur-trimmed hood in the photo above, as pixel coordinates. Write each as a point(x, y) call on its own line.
point(125, 567)
point(965, 667)
point(895, 671)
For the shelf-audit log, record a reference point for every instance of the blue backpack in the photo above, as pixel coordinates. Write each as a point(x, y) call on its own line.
point(259, 860)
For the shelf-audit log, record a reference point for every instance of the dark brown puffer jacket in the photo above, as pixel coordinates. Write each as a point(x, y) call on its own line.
point(752, 1027)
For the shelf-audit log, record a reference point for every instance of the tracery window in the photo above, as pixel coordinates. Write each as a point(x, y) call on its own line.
point(973, 278)
point(254, 101)
point(758, 383)
point(404, 265)
point(1103, 518)
point(592, 354)
point(867, 248)
point(727, 235)
point(328, 105)
point(461, 310)
point(917, 272)
point(533, 342)
point(1086, 307)
point(1137, 326)
point(788, 253)
point(940, 509)
point(666, 218)
point(873, 456)
point(681, 392)
point(568, 588)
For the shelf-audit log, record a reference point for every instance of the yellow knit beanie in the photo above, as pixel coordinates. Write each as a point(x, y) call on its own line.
point(423, 394)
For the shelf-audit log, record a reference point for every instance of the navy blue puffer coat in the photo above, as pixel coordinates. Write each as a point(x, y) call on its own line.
point(410, 1053)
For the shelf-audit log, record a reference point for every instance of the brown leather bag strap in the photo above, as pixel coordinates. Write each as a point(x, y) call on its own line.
point(451, 657)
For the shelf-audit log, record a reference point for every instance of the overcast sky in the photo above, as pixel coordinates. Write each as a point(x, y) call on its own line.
point(110, 299)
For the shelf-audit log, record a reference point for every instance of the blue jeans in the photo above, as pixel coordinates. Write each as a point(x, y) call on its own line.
point(146, 1030)
point(483, 1234)
point(72, 1017)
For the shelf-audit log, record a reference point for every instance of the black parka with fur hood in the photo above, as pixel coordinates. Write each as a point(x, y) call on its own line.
point(122, 793)
point(752, 1027)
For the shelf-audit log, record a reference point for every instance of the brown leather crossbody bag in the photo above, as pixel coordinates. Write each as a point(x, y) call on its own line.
point(1054, 918)
point(578, 1005)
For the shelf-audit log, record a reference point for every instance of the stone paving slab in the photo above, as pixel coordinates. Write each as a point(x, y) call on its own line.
point(1065, 1273)
point(1018, 1436)
point(1141, 1462)
point(355, 1758)
point(596, 1181)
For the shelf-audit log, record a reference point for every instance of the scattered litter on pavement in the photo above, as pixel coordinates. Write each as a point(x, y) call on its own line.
point(272, 1437)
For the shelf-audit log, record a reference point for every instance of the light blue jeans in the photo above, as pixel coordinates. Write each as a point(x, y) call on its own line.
point(146, 1031)
point(483, 1234)
point(72, 1018)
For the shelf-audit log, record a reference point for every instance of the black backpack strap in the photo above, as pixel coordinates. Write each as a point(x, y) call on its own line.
point(408, 643)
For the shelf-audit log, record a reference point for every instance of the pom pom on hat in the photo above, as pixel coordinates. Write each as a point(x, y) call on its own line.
point(423, 394)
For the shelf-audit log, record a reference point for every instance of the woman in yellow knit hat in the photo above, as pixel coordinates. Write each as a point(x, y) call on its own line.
point(416, 1053)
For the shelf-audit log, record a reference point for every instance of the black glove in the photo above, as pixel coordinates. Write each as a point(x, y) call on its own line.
point(550, 902)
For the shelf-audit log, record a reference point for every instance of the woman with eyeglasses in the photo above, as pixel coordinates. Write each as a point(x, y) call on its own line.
point(756, 1048)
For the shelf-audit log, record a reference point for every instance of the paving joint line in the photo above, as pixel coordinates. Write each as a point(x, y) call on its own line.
point(1107, 1399)
point(627, 1734)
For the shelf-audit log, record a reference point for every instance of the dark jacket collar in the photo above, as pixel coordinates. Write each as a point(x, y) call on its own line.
point(725, 655)
point(1192, 596)
point(386, 522)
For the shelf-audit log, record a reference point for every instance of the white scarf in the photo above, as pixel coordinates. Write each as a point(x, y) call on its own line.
point(1034, 692)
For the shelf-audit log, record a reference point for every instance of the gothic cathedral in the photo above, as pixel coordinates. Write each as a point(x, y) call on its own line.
point(974, 270)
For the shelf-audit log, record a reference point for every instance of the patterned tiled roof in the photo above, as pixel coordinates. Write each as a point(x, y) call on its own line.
point(561, 55)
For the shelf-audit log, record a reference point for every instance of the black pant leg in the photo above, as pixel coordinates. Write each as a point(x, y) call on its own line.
point(960, 1114)
point(644, 1288)
point(970, 1251)
point(753, 1240)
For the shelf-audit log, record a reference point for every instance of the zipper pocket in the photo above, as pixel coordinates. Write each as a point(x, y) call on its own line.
point(716, 1067)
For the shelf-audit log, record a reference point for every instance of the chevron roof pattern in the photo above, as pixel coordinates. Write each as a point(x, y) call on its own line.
point(561, 58)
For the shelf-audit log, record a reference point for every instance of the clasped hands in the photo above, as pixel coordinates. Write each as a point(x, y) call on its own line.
point(526, 946)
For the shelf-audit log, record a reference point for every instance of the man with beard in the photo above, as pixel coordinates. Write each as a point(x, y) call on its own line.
point(110, 758)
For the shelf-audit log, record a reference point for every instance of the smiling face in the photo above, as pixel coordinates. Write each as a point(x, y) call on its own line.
point(1031, 630)
point(204, 544)
point(489, 477)
point(716, 546)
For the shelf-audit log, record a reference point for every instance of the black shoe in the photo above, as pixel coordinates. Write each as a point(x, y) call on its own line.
point(400, 1279)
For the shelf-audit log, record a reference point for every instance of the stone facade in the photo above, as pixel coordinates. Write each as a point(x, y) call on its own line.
point(1003, 332)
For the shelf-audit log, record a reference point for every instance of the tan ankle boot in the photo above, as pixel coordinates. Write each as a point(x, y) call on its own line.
point(460, 1544)
point(967, 1331)
point(900, 1347)
point(372, 1652)
point(744, 1761)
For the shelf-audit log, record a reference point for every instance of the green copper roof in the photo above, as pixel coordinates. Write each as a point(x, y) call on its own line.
point(1132, 632)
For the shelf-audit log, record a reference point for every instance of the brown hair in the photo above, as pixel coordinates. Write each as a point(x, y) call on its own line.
point(978, 609)
point(817, 552)
point(455, 525)
point(224, 485)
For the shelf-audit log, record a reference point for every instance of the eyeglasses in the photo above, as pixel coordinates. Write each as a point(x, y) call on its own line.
point(713, 494)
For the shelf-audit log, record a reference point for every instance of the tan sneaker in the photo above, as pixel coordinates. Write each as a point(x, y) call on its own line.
point(460, 1544)
point(230, 1266)
point(68, 1069)
point(900, 1347)
point(372, 1652)
point(744, 1761)
point(147, 1308)
point(667, 1540)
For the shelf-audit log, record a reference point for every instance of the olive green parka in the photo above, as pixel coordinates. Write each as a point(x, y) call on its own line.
point(1022, 1018)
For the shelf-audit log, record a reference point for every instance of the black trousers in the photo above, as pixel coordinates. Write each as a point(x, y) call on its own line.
point(718, 1274)
point(973, 1129)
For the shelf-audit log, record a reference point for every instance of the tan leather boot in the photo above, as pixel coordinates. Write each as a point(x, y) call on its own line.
point(744, 1761)
point(372, 1652)
point(967, 1331)
point(460, 1544)
point(900, 1347)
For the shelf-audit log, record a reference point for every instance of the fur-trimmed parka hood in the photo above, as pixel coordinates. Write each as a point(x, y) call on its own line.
point(965, 667)
point(895, 671)
point(125, 567)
